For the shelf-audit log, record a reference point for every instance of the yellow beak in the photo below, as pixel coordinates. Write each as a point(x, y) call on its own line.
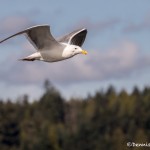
point(84, 52)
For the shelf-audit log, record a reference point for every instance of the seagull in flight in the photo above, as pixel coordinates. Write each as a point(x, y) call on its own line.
point(49, 49)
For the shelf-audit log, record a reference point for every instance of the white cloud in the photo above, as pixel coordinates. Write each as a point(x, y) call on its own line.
point(116, 62)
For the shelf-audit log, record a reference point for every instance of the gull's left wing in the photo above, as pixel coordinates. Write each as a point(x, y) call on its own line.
point(39, 36)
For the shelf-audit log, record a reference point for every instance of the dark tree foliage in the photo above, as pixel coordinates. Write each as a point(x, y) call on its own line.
point(105, 121)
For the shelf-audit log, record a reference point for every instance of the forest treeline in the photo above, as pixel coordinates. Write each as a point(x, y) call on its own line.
point(105, 121)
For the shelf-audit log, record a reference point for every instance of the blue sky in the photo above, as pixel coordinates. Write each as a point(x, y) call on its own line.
point(118, 45)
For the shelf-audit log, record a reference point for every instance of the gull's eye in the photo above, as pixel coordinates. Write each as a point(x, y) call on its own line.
point(75, 48)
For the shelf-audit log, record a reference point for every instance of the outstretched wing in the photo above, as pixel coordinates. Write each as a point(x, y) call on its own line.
point(39, 36)
point(76, 37)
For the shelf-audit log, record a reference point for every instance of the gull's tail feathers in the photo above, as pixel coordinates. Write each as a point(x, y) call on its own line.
point(35, 56)
point(27, 59)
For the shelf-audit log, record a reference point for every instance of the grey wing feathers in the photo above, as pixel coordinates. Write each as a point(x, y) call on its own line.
point(39, 36)
point(76, 37)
